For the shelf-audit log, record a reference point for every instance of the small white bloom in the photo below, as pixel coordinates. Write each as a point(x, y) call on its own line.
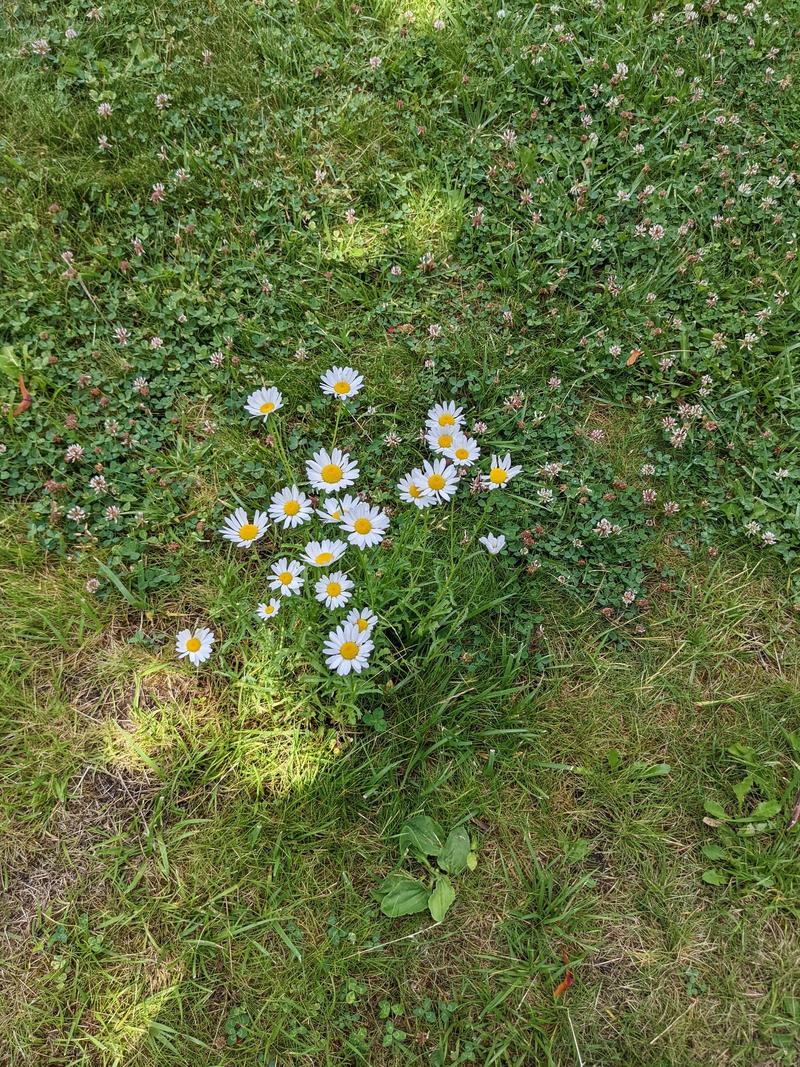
point(263, 403)
point(324, 553)
point(290, 507)
point(347, 650)
point(445, 416)
point(441, 439)
point(500, 472)
point(365, 526)
point(196, 644)
point(331, 471)
point(287, 577)
point(341, 382)
point(440, 479)
point(241, 531)
point(413, 490)
point(333, 590)
point(363, 620)
point(464, 450)
point(334, 509)
point(269, 610)
point(493, 543)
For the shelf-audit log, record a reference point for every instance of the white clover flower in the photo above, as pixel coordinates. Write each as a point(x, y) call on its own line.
point(365, 526)
point(263, 403)
point(347, 650)
point(333, 590)
point(195, 644)
point(241, 531)
point(290, 507)
point(331, 471)
point(341, 382)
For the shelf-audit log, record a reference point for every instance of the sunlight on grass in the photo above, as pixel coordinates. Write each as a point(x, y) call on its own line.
point(435, 217)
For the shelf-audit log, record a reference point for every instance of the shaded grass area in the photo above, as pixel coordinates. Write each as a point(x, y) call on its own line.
point(186, 859)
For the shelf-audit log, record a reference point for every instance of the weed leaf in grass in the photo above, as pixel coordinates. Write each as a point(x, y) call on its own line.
point(453, 856)
point(423, 835)
point(441, 898)
point(401, 895)
point(714, 876)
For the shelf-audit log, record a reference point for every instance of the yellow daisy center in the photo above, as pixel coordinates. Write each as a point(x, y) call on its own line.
point(497, 475)
point(341, 387)
point(436, 482)
point(446, 419)
point(349, 650)
point(362, 624)
point(336, 515)
point(331, 473)
point(333, 589)
point(267, 407)
point(268, 609)
point(248, 531)
point(291, 507)
point(193, 644)
point(285, 577)
point(462, 453)
point(323, 557)
point(445, 440)
point(414, 491)
point(362, 526)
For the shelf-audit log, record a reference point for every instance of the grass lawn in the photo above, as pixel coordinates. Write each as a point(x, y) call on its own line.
point(555, 819)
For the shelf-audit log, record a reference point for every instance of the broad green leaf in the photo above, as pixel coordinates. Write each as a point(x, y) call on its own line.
point(441, 898)
point(472, 861)
point(403, 896)
point(715, 809)
point(422, 834)
point(743, 788)
point(453, 857)
point(714, 852)
point(714, 876)
point(765, 810)
point(9, 364)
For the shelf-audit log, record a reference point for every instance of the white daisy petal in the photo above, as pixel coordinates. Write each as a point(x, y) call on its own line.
point(290, 507)
point(331, 471)
point(493, 543)
point(324, 553)
point(365, 526)
point(464, 450)
point(347, 650)
point(500, 473)
point(263, 403)
point(445, 416)
point(440, 478)
point(341, 382)
point(287, 577)
point(195, 645)
point(240, 530)
point(268, 610)
point(364, 621)
point(333, 590)
point(413, 489)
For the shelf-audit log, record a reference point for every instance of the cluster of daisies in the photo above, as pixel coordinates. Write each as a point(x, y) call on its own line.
point(353, 521)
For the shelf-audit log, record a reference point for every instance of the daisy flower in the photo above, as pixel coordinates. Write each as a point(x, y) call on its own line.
point(287, 577)
point(493, 543)
point(440, 479)
point(241, 531)
point(365, 526)
point(441, 438)
point(334, 509)
point(331, 471)
point(196, 644)
point(341, 382)
point(290, 507)
point(269, 610)
point(333, 590)
point(364, 621)
point(413, 490)
point(500, 472)
point(347, 650)
point(464, 450)
point(263, 403)
point(445, 416)
point(323, 553)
